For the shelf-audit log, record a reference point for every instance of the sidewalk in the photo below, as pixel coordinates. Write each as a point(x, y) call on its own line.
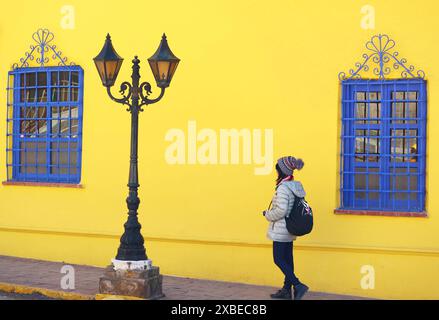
point(47, 275)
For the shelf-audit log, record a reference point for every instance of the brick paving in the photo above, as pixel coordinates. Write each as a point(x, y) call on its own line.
point(47, 275)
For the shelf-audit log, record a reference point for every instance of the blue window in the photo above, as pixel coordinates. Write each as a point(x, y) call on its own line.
point(383, 144)
point(44, 139)
point(383, 138)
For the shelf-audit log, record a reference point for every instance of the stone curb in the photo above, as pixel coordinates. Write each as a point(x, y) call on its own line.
point(60, 295)
point(21, 289)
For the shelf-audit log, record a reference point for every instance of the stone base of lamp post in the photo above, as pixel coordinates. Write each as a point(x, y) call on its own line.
point(146, 284)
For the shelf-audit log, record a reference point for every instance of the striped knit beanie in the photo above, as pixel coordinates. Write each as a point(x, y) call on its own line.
point(288, 164)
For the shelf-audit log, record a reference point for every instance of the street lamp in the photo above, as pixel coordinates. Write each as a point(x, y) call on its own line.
point(131, 254)
point(163, 64)
point(108, 63)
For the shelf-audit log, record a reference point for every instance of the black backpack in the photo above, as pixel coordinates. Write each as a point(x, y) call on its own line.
point(299, 220)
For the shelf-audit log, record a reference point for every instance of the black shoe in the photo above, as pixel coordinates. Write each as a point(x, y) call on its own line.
point(282, 294)
point(299, 291)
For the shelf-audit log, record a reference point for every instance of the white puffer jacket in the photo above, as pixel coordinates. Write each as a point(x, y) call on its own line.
point(283, 201)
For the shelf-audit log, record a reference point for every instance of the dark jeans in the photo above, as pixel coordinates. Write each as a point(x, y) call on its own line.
point(283, 258)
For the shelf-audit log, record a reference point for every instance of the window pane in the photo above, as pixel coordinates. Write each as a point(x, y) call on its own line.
point(397, 112)
point(73, 162)
point(64, 78)
point(54, 154)
point(397, 145)
point(55, 112)
point(398, 108)
point(55, 121)
point(33, 157)
point(42, 122)
point(374, 112)
point(55, 94)
point(374, 184)
point(404, 179)
point(66, 86)
point(30, 79)
point(63, 94)
point(404, 142)
point(54, 78)
point(75, 78)
point(74, 94)
point(64, 121)
point(28, 95)
point(360, 95)
point(65, 112)
point(35, 121)
point(398, 95)
point(360, 145)
point(366, 182)
point(405, 109)
point(360, 112)
point(374, 106)
point(412, 95)
point(41, 95)
point(74, 112)
point(370, 108)
point(375, 95)
point(373, 145)
point(63, 157)
point(74, 128)
point(360, 183)
point(374, 179)
point(367, 143)
point(412, 112)
point(42, 79)
point(412, 145)
point(63, 161)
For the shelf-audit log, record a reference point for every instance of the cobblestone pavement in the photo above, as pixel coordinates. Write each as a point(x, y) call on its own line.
point(47, 275)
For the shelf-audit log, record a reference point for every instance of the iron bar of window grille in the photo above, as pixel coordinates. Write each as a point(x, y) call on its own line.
point(368, 143)
point(392, 159)
point(406, 142)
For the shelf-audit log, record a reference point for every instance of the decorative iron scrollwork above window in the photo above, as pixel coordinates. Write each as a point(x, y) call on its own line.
point(381, 60)
point(43, 52)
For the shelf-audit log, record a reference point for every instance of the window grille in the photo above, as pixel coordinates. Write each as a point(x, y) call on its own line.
point(383, 145)
point(383, 137)
point(44, 119)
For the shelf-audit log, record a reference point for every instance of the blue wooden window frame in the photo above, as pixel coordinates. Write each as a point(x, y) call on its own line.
point(59, 113)
point(383, 153)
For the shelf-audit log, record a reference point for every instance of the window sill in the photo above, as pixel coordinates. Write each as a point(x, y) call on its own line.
point(42, 184)
point(423, 214)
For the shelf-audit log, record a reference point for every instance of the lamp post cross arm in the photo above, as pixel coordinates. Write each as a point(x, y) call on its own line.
point(145, 100)
point(124, 87)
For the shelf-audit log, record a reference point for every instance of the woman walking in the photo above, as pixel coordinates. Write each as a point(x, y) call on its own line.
point(286, 191)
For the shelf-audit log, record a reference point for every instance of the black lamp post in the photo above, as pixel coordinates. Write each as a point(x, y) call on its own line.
point(135, 95)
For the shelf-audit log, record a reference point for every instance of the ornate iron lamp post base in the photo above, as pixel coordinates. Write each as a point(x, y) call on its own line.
point(146, 284)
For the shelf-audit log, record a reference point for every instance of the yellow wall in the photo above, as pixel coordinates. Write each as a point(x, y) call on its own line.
point(245, 64)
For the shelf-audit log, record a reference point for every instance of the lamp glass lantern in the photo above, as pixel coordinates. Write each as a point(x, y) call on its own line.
point(163, 64)
point(108, 63)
